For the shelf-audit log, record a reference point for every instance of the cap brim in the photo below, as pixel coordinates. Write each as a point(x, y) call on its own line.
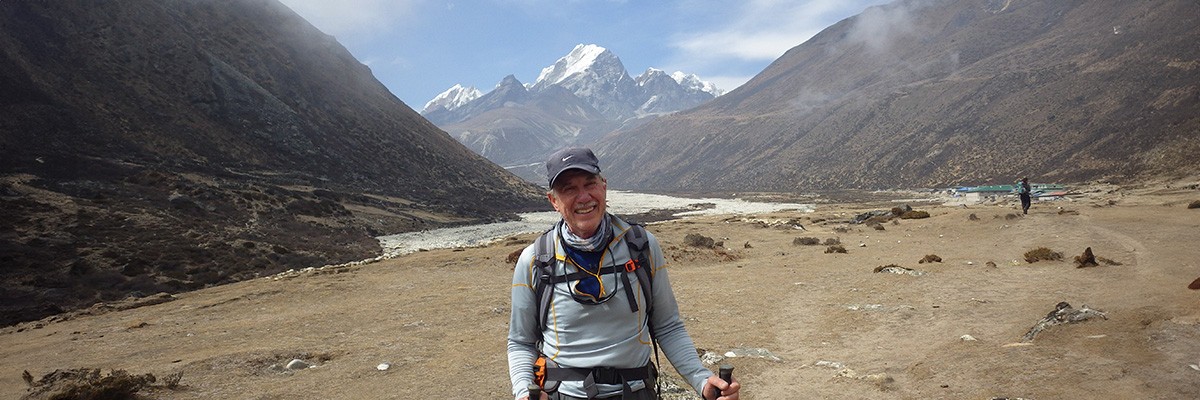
point(588, 168)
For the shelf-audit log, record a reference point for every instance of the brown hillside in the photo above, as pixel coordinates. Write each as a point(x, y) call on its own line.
point(164, 146)
point(942, 93)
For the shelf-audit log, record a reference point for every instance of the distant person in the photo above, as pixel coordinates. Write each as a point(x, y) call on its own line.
point(591, 335)
point(1023, 190)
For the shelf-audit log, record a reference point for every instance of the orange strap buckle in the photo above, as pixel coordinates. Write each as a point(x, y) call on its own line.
point(630, 266)
point(539, 371)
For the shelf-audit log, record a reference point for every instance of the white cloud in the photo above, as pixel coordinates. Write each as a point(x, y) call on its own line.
point(354, 17)
point(727, 83)
point(753, 46)
point(877, 28)
point(762, 30)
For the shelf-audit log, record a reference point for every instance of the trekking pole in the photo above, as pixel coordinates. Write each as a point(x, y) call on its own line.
point(726, 374)
point(535, 391)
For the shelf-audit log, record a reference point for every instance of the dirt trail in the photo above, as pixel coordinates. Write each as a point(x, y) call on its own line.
point(440, 317)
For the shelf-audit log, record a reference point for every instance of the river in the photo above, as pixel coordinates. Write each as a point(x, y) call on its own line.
point(619, 202)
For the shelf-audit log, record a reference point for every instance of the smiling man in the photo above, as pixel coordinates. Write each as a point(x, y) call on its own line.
point(591, 298)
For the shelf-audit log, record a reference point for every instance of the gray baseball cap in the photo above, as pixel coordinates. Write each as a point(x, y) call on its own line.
point(571, 158)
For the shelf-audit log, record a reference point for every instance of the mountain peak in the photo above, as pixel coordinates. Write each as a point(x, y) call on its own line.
point(693, 82)
point(453, 98)
point(509, 81)
point(582, 59)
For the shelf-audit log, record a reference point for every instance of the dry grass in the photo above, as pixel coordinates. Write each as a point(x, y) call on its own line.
point(1042, 253)
point(91, 384)
point(806, 241)
point(835, 249)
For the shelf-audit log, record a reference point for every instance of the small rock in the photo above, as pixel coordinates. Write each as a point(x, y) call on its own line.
point(1063, 314)
point(276, 368)
point(968, 338)
point(753, 353)
point(896, 269)
point(829, 364)
point(383, 367)
point(297, 364)
point(711, 358)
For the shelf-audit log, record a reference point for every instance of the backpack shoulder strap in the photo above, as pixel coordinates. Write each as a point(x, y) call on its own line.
point(543, 270)
point(639, 247)
point(639, 244)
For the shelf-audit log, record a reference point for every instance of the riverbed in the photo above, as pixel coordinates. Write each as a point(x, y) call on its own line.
point(619, 202)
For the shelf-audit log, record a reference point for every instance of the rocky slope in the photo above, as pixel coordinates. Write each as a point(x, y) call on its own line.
point(164, 146)
point(923, 93)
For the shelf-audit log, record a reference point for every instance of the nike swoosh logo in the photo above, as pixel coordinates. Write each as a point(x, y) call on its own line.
point(567, 158)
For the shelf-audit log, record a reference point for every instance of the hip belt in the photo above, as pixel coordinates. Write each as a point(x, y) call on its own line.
point(601, 375)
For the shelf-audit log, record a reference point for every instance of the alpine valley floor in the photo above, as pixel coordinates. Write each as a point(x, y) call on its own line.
point(843, 332)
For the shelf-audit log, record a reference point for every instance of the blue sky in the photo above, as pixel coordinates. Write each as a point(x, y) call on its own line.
point(419, 48)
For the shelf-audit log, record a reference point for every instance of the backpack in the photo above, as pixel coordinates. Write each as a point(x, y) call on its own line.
point(544, 280)
point(638, 264)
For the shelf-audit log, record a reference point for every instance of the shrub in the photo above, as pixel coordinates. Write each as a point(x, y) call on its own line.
point(698, 240)
point(1042, 253)
point(1194, 204)
point(930, 258)
point(835, 249)
point(878, 219)
point(915, 215)
point(806, 241)
point(86, 383)
point(881, 268)
point(832, 241)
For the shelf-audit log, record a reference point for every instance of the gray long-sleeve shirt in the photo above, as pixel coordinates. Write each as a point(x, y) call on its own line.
point(580, 335)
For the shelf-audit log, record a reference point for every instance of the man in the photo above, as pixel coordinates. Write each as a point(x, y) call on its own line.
point(1023, 191)
point(594, 335)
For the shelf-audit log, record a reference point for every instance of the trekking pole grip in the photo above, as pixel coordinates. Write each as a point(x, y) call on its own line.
point(726, 374)
point(535, 391)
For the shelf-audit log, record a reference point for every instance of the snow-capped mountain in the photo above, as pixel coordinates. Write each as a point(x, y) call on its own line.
point(693, 82)
point(583, 62)
point(522, 123)
point(598, 77)
point(453, 98)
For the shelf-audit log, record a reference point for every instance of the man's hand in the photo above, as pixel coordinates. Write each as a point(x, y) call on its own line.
point(728, 391)
point(544, 397)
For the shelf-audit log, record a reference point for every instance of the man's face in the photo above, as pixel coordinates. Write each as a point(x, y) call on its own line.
point(579, 197)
